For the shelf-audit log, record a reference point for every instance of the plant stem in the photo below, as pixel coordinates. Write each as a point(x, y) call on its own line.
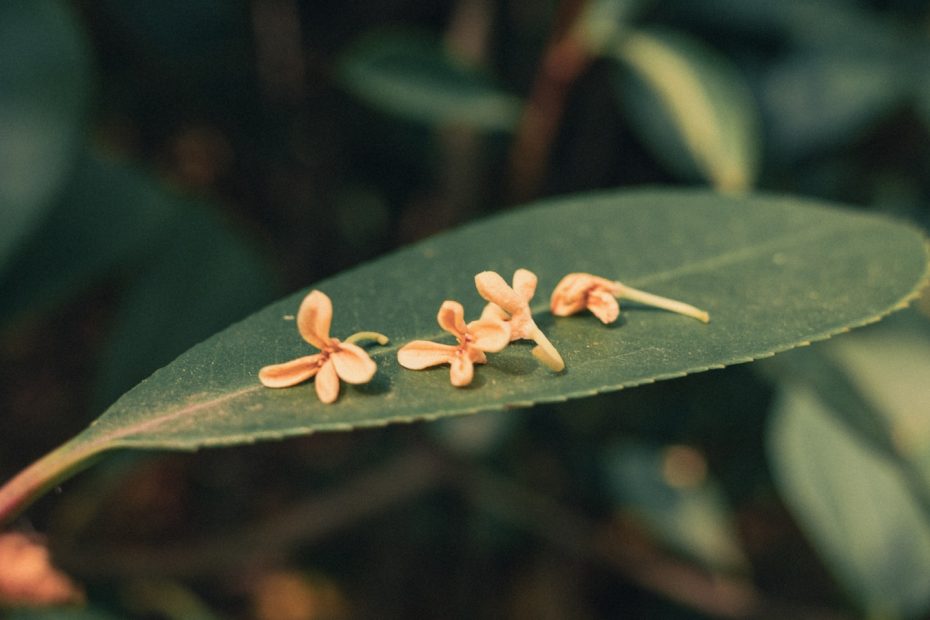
point(546, 353)
point(627, 292)
point(564, 60)
point(378, 337)
point(370, 493)
point(31, 483)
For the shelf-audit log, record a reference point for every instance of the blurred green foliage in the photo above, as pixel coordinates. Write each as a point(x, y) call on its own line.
point(238, 150)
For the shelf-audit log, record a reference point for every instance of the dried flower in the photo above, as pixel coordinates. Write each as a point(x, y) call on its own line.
point(474, 340)
point(27, 576)
point(513, 305)
point(578, 291)
point(336, 360)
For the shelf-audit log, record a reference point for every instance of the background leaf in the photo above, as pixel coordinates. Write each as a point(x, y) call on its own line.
point(823, 101)
point(681, 506)
point(854, 505)
point(603, 20)
point(42, 105)
point(890, 367)
point(412, 76)
point(202, 272)
point(106, 219)
point(691, 105)
point(60, 613)
point(773, 272)
point(922, 98)
point(118, 222)
point(876, 382)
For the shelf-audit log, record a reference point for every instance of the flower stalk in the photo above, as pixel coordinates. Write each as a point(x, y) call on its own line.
point(582, 291)
point(376, 336)
point(679, 307)
point(31, 483)
point(511, 304)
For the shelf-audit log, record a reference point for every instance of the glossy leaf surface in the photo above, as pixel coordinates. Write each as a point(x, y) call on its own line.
point(773, 272)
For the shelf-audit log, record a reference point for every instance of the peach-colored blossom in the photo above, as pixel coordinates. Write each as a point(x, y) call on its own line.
point(579, 291)
point(512, 304)
point(27, 576)
point(336, 359)
point(486, 335)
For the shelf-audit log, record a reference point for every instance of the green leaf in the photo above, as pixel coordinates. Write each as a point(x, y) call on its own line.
point(876, 381)
point(411, 76)
point(773, 272)
point(202, 271)
point(59, 613)
point(685, 509)
point(823, 101)
point(854, 505)
point(921, 85)
point(602, 21)
point(890, 367)
point(115, 220)
point(44, 70)
point(824, 26)
point(691, 106)
point(109, 216)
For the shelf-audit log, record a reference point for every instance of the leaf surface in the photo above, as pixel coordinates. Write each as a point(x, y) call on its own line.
point(773, 272)
point(854, 504)
point(685, 510)
point(411, 76)
point(691, 106)
point(202, 270)
point(107, 218)
point(817, 102)
point(876, 382)
point(44, 73)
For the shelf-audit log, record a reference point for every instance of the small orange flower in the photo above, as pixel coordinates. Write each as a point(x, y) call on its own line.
point(512, 304)
point(475, 339)
point(580, 291)
point(516, 299)
point(28, 578)
point(336, 360)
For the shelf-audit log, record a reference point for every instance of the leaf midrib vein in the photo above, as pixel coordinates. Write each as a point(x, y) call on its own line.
point(733, 256)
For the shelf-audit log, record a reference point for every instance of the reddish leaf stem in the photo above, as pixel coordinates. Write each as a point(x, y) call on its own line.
point(31, 483)
point(564, 60)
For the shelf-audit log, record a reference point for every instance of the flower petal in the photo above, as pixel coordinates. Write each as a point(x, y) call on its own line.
point(522, 326)
point(493, 311)
point(477, 356)
point(421, 354)
point(524, 283)
point(603, 305)
point(492, 287)
point(451, 318)
point(462, 371)
point(314, 318)
point(353, 364)
point(289, 373)
point(327, 382)
point(490, 335)
point(570, 294)
point(28, 577)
